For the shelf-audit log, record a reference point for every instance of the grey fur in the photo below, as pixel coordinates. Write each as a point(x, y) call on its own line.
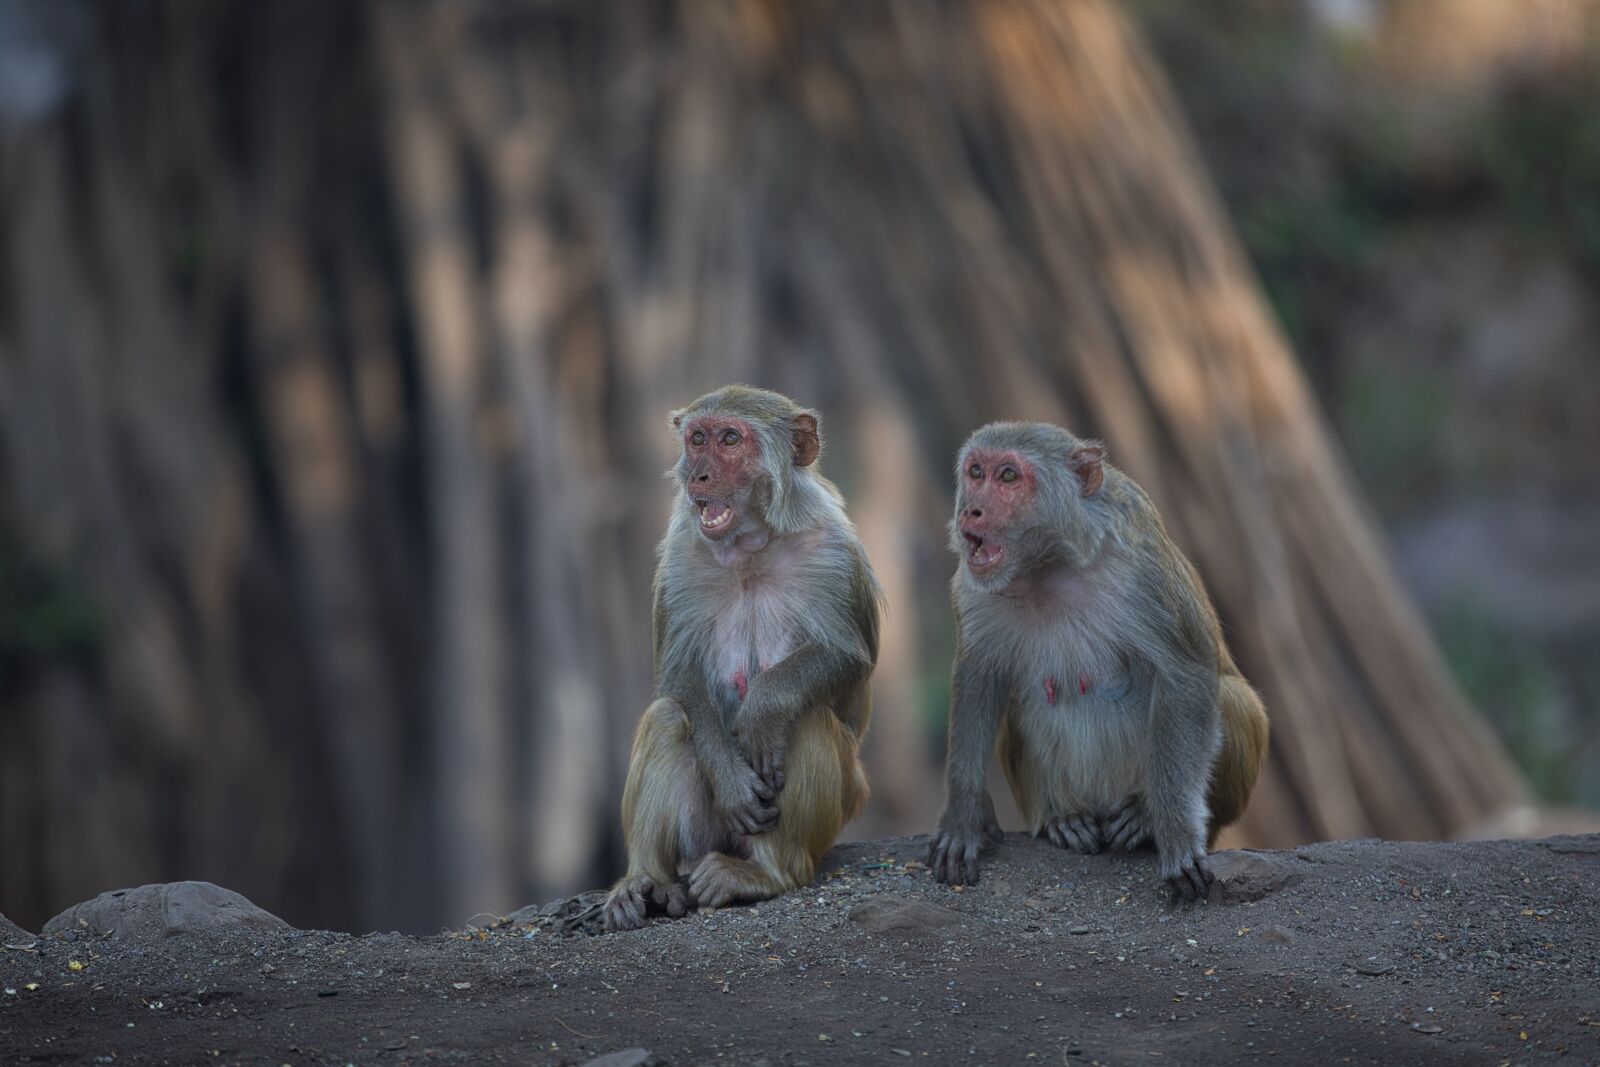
point(1089, 588)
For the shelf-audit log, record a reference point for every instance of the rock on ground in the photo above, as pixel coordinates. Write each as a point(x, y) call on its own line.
point(1246, 874)
point(12, 934)
point(156, 911)
point(1360, 952)
point(628, 1057)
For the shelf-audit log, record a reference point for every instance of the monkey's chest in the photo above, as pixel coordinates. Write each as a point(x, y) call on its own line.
point(1072, 665)
point(754, 629)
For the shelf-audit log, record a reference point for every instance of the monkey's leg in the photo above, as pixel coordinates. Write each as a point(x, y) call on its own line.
point(824, 786)
point(1030, 787)
point(666, 815)
point(1244, 746)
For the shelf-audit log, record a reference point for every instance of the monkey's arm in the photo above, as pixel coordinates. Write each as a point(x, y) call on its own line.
point(1184, 727)
point(1182, 746)
point(978, 697)
point(814, 675)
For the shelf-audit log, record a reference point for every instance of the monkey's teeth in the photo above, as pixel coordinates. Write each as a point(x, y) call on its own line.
point(979, 555)
point(721, 519)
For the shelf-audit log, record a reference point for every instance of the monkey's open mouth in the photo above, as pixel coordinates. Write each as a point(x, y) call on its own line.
point(979, 555)
point(713, 515)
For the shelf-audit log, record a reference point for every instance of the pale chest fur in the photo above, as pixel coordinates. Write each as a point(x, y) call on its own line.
point(759, 614)
point(1080, 703)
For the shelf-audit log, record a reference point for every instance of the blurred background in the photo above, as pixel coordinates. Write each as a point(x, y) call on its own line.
point(337, 343)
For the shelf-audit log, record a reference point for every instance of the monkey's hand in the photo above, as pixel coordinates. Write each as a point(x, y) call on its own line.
point(1187, 872)
point(953, 850)
point(743, 799)
point(765, 742)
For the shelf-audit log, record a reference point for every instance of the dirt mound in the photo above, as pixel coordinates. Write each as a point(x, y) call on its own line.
point(1470, 953)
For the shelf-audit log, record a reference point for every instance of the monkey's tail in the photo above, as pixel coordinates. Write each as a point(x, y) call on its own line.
point(1244, 746)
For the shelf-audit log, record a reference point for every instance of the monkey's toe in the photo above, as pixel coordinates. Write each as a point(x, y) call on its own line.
point(1079, 833)
point(712, 884)
point(626, 906)
point(1125, 829)
point(673, 899)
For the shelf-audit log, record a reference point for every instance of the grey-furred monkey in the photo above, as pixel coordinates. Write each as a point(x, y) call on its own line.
point(1086, 644)
point(744, 767)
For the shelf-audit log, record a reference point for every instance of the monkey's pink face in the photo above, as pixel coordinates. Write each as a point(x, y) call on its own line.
point(721, 464)
point(995, 490)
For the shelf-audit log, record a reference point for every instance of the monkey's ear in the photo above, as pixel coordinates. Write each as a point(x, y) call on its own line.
point(677, 420)
point(803, 430)
point(1088, 463)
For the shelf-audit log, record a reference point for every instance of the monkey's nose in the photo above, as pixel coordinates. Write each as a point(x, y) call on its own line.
point(703, 478)
point(974, 513)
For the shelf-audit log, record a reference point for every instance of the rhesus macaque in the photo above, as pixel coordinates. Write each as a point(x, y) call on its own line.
point(1086, 643)
point(744, 767)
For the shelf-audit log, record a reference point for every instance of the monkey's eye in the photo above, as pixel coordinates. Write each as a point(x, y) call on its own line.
point(1009, 474)
point(730, 437)
point(697, 438)
point(975, 471)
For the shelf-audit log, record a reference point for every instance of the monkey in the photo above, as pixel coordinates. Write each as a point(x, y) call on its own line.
point(745, 765)
point(1089, 653)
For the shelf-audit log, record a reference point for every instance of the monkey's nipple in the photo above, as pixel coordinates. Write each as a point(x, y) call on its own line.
point(1049, 690)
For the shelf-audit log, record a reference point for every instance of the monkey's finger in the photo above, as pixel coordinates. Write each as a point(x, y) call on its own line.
point(945, 866)
point(762, 789)
point(1189, 882)
point(1197, 879)
point(970, 864)
point(1179, 887)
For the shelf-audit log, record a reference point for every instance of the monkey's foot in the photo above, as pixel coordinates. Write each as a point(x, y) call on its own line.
point(1125, 828)
point(720, 879)
point(629, 903)
point(1080, 833)
point(672, 899)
